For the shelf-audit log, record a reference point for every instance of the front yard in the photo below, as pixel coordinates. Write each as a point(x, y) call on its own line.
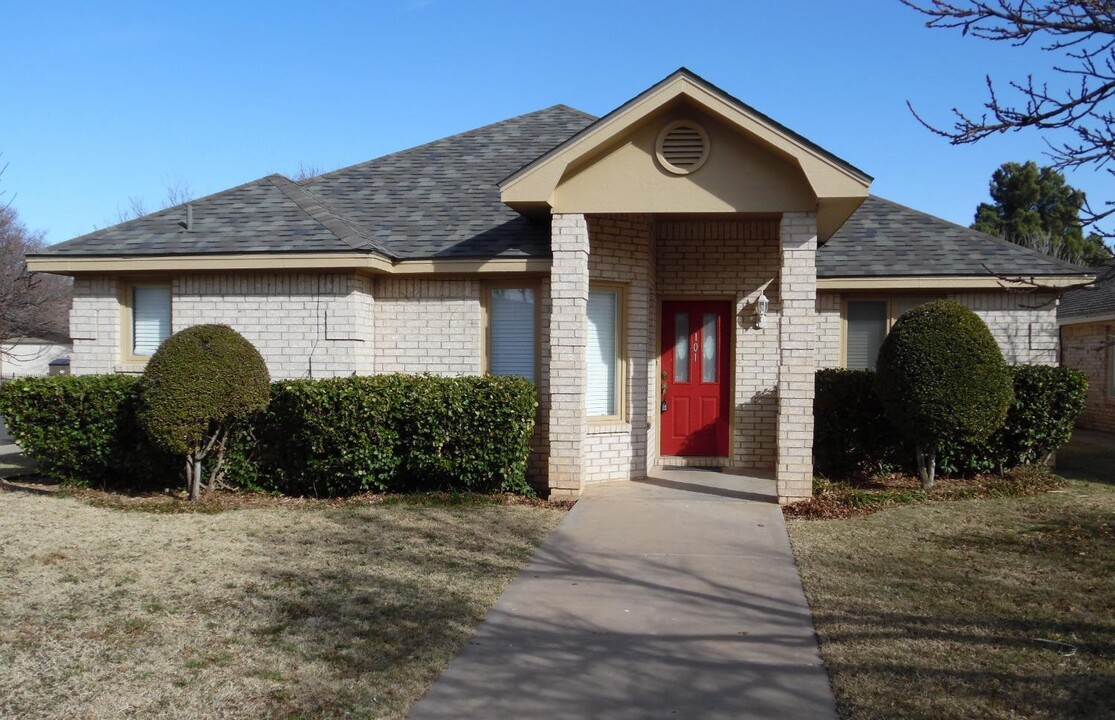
point(994, 608)
point(304, 611)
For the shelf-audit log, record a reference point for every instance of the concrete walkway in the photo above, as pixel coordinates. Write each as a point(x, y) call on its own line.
point(674, 597)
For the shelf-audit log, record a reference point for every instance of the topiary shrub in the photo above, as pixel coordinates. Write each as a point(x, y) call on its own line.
point(852, 433)
point(941, 378)
point(196, 385)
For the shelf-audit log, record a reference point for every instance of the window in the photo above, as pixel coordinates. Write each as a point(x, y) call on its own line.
point(511, 332)
point(602, 354)
point(867, 327)
point(867, 323)
point(1111, 362)
point(150, 317)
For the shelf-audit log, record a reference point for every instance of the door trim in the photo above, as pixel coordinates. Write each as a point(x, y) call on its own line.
point(733, 302)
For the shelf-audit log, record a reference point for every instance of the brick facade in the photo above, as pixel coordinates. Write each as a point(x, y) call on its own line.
point(797, 336)
point(1025, 326)
point(427, 326)
point(1089, 348)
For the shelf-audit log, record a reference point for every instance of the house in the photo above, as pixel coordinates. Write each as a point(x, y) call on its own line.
point(1087, 319)
point(23, 356)
point(671, 275)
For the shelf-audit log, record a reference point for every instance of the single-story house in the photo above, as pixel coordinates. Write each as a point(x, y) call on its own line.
point(1087, 319)
point(23, 356)
point(671, 275)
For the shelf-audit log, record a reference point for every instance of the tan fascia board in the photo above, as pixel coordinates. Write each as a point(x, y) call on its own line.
point(826, 176)
point(948, 282)
point(282, 261)
point(1086, 319)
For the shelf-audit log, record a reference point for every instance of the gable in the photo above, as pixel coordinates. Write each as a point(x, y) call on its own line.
point(763, 146)
point(739, 175)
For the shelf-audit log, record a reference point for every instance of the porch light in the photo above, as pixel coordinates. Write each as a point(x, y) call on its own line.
point(761, 306)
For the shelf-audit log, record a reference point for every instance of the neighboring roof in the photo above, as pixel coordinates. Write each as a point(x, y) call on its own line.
point(885, 239)
point(1097, 301)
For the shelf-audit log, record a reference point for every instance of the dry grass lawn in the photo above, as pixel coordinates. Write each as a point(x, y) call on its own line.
point(1000, 608)
point(288, 612)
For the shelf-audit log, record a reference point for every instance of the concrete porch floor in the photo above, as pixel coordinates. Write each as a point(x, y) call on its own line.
point(676, 596)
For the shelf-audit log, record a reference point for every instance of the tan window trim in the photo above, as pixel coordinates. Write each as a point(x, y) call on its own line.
point(127, 342)
point(621, 415)
point(892, 314)
point(486, 323)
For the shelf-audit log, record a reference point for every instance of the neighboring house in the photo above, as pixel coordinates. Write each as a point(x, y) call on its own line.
point(24, 356)
point(1087, 319)
point(670, 275)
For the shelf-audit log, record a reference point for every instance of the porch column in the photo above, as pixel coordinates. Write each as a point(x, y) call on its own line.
point(568, 335)
point(797, 334)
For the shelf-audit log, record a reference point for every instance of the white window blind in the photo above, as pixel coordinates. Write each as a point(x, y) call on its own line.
point(150, 318)
point(601, 354)
point(511, 314)
point(867, 328)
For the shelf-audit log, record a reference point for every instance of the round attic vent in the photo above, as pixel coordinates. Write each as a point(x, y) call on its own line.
point(682, 147)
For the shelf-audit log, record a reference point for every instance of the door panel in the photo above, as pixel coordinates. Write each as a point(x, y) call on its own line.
point(695, 378)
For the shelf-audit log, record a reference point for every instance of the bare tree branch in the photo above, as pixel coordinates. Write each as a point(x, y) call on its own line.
point(1082, 34)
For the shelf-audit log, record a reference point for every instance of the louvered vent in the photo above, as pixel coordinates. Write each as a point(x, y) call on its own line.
point(682, 147)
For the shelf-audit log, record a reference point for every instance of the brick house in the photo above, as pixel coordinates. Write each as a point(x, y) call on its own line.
point(1087, 320)
point(670, 275)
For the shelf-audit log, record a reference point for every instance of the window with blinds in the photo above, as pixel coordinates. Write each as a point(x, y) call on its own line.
point(511, 343)
point(867, 328)
point(150, 318)
point(602, 352)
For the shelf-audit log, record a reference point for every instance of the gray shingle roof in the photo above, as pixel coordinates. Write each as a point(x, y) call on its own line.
point(441, 200)
point(1096, 301)
point(883, 238)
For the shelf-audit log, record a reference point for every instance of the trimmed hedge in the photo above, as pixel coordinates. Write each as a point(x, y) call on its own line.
point(852, 434)
point(82, 430)
point(851, 438)
point(397, 433)
point(317, 437)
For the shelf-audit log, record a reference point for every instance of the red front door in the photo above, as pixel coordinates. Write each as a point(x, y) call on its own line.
point(695, 336)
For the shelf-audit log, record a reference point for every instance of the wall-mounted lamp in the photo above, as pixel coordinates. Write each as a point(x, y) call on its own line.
point(761, 306)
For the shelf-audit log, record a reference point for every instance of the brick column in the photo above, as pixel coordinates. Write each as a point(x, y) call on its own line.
point(796, 339)
point(568, 333)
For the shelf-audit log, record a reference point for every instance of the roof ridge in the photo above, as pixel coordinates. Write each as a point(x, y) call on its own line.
point(447, 138)
point(314, 206)
point(1074, 269)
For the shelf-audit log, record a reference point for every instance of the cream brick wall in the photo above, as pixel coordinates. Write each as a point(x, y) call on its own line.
point(797, 337)
point(621, 251)
point(736, 260)
point(95, 325)
point(1088, 348)
point(568, 332)
point(427, 325)
point(1025, 326)
point(304, 324)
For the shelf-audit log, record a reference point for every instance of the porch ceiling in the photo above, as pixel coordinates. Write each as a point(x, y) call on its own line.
point(754, 164)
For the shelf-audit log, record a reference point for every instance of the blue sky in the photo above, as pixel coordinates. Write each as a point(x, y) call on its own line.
point(109, 101)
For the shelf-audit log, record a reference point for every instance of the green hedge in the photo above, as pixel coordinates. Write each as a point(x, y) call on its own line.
point(317, 437)
point(82, 430)
point(853, 436)
point(397, 433)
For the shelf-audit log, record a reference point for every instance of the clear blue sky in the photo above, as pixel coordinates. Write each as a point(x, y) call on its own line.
point(101, 102)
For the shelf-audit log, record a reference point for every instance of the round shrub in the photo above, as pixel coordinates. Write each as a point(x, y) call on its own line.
point(198, 380)
point(942, 378)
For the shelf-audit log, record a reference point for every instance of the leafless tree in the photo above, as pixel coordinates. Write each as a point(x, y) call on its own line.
point(306, 171)
point(1080, 35)
point(177, 192)
point(31, 304)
